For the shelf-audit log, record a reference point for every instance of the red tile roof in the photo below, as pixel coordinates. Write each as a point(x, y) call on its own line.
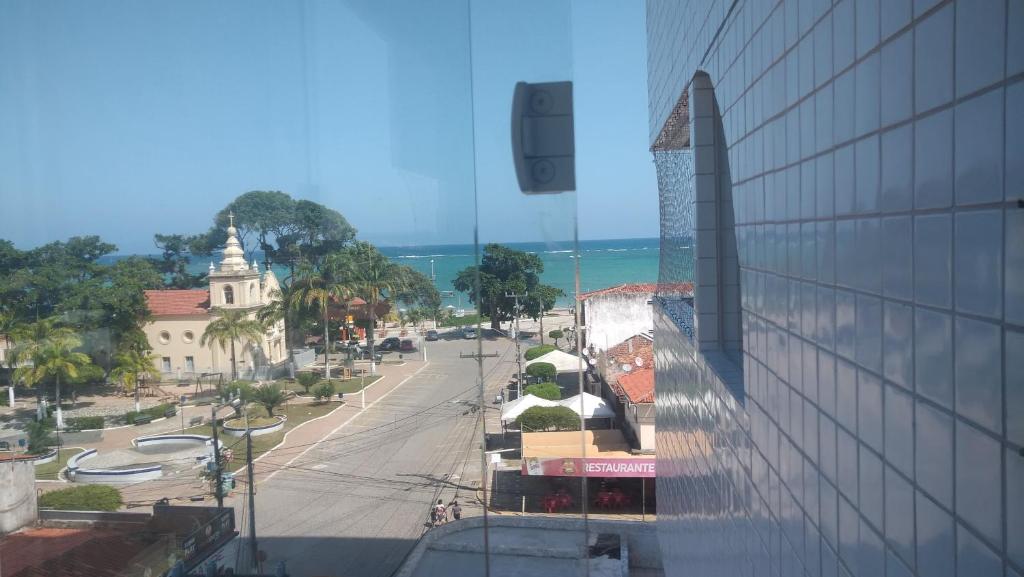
point(638, 385)
point(70, 552)
point(640, 288)
point(636, 346)
point(178, 302)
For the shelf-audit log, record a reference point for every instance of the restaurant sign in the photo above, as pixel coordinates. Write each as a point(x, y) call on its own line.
point(591, 467)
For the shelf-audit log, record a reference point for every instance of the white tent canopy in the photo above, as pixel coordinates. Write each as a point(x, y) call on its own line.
point(564, 362)
point(594, 407)
point(513, 409)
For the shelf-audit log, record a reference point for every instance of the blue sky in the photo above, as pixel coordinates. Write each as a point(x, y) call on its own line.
point(126, 118)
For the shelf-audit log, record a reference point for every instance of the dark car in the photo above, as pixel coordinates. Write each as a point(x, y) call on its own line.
point(432, 335)
point(407, 345)
point(389, 344)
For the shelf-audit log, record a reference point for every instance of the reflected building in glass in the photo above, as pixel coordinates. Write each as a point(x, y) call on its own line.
point(843, 183)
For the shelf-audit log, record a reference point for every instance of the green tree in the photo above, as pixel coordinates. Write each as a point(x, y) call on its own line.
point(232, 325)
point(318, 288)
point(539, 301)
point(176, 251)
point(288, 231)
point(549, 391)
point(544, 371)
point(269, 397)
point(54, 359)
point(503, 271)
point(324, 392)
point(538, 351)
point(132, 365)
point(306, 380)
point(547, 419)
point(556, 334)
point(40, 437)
point(375, 278)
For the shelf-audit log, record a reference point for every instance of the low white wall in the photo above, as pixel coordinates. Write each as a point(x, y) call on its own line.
point(256, 431)
point(76, 473)
point(47, 458)
point(171, 439)
point(18, 497)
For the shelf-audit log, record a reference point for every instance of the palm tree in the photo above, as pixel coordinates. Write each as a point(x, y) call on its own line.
point(319, 288)
point(230, 326)
point(29, 341)
point(375, 276)
point(55, 359)
point(131, 365)
point(270, 396)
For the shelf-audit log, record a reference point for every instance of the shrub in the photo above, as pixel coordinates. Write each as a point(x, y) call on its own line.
point(82, 423)
point(538, 351)
point(324, 391)
point(307, 380)
point(155, 412)
point(40, 436)
point(543, 371)
point(549, 391)
point(83, 498)
point(548, 418)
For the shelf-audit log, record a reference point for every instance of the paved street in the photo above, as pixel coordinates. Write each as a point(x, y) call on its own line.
point(354, 502)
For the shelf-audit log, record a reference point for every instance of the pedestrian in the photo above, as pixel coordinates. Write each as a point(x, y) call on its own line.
point(440, 516)
point(456, 510)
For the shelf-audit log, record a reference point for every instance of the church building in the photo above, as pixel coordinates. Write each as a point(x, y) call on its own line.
point(180, 316)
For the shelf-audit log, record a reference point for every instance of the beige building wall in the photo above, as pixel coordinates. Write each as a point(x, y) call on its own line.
point(177, 337)
point(642, 427)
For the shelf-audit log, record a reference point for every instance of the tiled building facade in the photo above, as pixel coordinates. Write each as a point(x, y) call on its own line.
point(855, 206)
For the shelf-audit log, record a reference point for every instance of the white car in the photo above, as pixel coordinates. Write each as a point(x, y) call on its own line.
point(469, 333)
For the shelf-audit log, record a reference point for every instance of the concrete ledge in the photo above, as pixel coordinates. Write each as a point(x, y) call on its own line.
point(632, 534)
point(79, 475)
point(54, 515)
point(170, 439)
point(45, 458)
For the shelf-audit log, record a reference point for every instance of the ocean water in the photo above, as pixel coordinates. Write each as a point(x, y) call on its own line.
point(603, 263)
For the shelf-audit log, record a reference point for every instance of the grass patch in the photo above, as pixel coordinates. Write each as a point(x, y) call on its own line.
point(297, 414)
point(83, 498)
point(340, 385)
point(253, 422)
point(48, 471)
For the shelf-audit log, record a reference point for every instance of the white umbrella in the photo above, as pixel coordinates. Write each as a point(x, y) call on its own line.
point(594, 407)
point(513, 409)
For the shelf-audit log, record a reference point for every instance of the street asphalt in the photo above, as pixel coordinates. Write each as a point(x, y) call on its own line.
point(355, 503)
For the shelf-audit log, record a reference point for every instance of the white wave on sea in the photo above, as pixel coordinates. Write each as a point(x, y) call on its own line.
point(431, 255)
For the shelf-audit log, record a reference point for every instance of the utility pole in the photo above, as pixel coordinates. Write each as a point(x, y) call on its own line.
point(218, 489)
point(519, 357)
point(252, 493)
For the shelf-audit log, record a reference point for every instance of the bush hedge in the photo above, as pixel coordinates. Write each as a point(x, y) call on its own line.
point(543, 371)
point(82, 423)
point(156, 412)
point(538, 351)
point(324, 391)
point(549, 391)
point(83, 498)
point(547, 419)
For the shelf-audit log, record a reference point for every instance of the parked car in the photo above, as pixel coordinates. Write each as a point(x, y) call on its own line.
point(389, 344)
point(364, 353)
point(469, 333)
point(406, 345)
point(432, 335)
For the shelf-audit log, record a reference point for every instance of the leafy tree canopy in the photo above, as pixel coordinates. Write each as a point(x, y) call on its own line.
point(549, 391)
point(506, 271)
point(288, 231)
point(548, 418)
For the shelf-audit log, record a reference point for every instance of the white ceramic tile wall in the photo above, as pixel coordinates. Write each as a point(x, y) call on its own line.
point(876, 155)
